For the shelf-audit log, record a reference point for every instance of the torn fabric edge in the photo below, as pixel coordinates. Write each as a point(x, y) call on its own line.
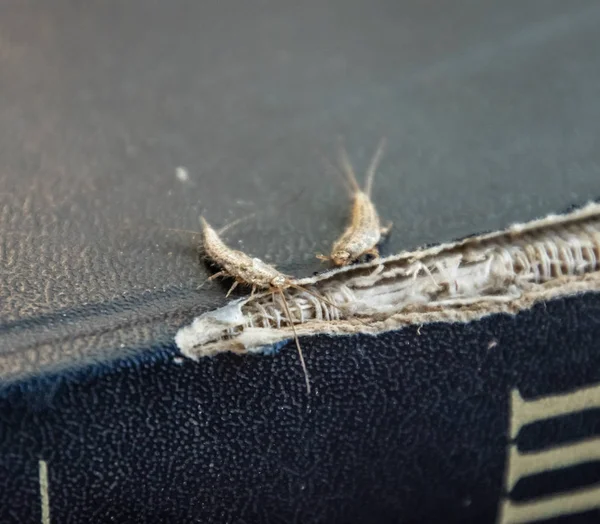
point(499, 272)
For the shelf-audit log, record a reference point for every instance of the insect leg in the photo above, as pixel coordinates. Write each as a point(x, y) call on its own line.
point(233, 286)
point(386, 230)
point(373, 252)
point(217, 275)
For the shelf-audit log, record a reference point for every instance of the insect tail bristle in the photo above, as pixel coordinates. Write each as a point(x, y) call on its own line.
point(347, 168)
point(300, 354)
point(373, 166)
point(330, 167)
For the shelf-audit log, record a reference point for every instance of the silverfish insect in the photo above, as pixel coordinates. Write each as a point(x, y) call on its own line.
point(254, 272)
point(364, 232)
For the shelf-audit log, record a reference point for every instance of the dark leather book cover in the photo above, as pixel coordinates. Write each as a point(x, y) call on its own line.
point(465, 404)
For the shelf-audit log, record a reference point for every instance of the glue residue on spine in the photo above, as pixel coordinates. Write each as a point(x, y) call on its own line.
point(209, 327)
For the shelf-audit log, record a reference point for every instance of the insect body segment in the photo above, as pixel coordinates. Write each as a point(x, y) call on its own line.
point(360, 238)
point(253, 272)
point(364, 231)
point(256, 273)
point(243, 268)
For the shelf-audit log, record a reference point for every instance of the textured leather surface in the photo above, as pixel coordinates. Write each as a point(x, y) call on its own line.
point(406, 427)
point(492, 117)
point(490, 110)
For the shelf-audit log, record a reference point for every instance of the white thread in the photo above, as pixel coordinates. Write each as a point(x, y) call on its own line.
point(496, 270)
point(531, 259)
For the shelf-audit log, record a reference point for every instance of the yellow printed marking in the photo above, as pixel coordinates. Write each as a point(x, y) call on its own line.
point(526, 464)
point(522, 465)
point(44, 495)
point(565, 503)
point(527, 411)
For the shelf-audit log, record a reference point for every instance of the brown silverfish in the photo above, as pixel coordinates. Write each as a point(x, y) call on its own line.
point(253, 272)
point(364, 232)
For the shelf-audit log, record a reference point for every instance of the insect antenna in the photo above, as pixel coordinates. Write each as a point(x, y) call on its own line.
point(300, 354)
point(188, 231)
point(235, 222)
point(219, 232)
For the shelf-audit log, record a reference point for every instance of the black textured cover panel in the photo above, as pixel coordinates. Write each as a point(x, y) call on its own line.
point(492, 117)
